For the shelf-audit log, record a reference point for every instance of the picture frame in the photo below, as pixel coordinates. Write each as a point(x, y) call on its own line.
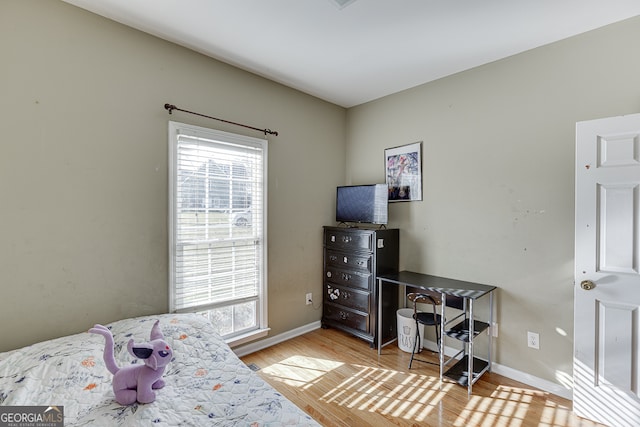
point(403, 171)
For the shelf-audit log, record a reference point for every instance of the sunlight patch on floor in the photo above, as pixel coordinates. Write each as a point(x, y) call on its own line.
point(510, 406)
point(504, 410)
point(401, 395)
point(300, 371)
point(413, 396)
point(387, 392)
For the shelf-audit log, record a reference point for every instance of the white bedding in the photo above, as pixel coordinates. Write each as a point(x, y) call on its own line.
point(206, 383)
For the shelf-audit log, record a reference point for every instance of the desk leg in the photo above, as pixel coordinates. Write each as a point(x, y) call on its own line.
point(379, 317)
point(470, 346)
point(490, 327)
point(441, 346)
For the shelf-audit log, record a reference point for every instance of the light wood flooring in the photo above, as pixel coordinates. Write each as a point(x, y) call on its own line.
point(340, 381)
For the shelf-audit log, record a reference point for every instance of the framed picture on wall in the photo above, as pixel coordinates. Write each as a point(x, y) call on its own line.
point(403, 167)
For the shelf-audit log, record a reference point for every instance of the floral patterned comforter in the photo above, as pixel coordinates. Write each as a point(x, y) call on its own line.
point(206, 383)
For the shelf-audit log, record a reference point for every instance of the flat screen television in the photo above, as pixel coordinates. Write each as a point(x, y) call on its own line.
point(362, 204)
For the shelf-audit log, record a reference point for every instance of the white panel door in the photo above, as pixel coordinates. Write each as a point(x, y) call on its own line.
point(606, 365)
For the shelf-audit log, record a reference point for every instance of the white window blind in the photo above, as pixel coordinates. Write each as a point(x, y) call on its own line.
point(217, 243)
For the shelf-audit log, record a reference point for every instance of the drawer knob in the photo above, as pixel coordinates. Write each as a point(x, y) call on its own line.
point(343, 315)
point(334, 294)
point(329, 274)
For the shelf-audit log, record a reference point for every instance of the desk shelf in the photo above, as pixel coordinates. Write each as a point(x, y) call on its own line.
point(461, 330)
point(460, 371)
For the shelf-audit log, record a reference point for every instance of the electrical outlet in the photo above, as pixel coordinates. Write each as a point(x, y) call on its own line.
point(533, 340)
point(309, 298)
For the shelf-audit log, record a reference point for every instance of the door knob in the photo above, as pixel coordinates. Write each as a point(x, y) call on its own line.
point(587, 285)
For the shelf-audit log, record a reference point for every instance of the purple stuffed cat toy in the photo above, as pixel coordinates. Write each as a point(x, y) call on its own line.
point(136, 382)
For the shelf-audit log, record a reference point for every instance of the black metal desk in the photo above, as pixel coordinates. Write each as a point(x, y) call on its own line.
point(465, 331)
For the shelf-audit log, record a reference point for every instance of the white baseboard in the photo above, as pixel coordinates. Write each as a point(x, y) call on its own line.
point(505, 371)
point(532, 381)
point(243, 350)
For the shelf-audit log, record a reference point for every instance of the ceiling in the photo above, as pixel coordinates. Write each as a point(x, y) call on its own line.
point(349, 52)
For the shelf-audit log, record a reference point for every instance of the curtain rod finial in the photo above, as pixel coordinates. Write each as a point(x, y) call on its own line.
point(169, 107)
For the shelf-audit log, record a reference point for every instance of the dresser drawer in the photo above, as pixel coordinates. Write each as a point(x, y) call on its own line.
point(351, 278)
point(346, 317)
point(346, 240)
point(352, 298)
point(342, 259)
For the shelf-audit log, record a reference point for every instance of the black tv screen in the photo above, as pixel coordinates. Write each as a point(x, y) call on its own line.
point(362, 204)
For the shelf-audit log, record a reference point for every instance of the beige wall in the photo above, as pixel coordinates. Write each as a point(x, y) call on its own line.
point(83, 170)
point(498, 153)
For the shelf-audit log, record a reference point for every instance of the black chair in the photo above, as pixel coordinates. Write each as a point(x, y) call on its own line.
point(425, 318)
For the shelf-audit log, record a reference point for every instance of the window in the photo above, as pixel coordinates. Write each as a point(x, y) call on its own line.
point(217, 237)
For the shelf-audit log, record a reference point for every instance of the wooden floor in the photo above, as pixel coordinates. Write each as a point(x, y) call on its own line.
point(340, 381)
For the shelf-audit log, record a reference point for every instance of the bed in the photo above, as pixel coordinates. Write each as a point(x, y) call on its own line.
point(206, 383)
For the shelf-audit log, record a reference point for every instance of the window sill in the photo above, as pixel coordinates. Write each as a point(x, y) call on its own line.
point(245, 338)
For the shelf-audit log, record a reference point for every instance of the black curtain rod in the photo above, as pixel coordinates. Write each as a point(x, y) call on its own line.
point(170, 108)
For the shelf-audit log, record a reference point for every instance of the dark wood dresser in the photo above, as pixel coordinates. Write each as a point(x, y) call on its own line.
point(353, 257)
